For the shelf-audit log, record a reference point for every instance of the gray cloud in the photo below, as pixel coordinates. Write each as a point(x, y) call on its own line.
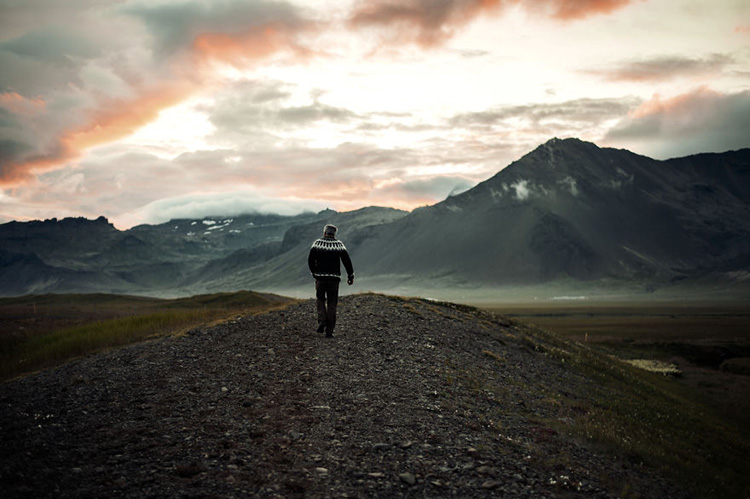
point(53, 45)
point(471, 53)
point(174, 26)
point(106, 67)
point(54, 42)
point(700, 121)
point(305, 115)
point(72, 68)
point(11, 149)
point(60, 60)
point(438, 187)
point(281, 180)
point(431, 23)
point(586, 111)
point(665, 68)
point(19, 16)
point(224, 204)
point(251, 107)
point(524, 126)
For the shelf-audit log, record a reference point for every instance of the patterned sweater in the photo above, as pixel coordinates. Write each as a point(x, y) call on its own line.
point(325, 257)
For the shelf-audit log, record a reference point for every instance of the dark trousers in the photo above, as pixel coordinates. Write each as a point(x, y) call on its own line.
point(327, 293)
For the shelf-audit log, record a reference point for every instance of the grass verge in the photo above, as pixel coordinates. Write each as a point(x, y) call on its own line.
point(651, 418)
point(110, 321)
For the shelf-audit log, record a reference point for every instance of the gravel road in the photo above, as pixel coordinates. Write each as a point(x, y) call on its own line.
point(411, 398)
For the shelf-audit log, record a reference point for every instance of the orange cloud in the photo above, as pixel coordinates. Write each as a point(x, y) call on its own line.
point(355, 193)
point(26, 109)
point(569, 10)
point(701, 120)
point(20, 105)
point(428, 23)
point(434, 21)
point(14, 174)
point(116, 120)
point(241, 48)
point(111, 119)
point(659, 106)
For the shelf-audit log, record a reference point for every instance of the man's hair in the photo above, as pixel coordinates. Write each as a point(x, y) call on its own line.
point(330, 230)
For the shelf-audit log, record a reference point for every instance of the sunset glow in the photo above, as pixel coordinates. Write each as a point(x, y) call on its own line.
point(145, 111)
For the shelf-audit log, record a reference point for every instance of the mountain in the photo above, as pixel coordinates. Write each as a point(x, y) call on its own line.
point(567, 212)
point(572, 210)
point(175, 258)
point(285, 267)
point(76, 254)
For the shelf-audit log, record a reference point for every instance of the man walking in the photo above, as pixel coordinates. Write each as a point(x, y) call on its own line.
point(324, 261)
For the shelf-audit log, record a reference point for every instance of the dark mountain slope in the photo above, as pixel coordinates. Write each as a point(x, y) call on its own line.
point(287, 268)
point(22, 273)
point(572, 209)
point(61, 243)
point(80, 255)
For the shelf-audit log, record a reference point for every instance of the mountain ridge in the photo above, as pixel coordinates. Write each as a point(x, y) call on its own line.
point(541, 215)
point(568, 211)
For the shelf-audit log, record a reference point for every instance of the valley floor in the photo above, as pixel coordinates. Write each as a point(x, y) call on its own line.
point(708, 341)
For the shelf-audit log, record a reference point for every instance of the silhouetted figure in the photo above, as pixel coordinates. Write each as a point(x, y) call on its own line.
point(324, 261)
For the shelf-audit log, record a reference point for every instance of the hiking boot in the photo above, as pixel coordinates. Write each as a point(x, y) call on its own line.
point(322, 327)
point(329, 334)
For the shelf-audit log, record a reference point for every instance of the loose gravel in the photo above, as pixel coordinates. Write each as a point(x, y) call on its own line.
point(410, 398)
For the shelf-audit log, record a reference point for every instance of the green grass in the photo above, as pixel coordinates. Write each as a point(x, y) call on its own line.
point(106, 321)
point(620, 410)
point(651, 418)
point(49, 349)
point(706, 341)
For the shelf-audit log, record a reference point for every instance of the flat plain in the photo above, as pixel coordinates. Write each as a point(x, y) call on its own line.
point(708, 342)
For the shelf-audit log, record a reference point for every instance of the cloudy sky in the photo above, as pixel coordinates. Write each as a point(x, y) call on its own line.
point(146, 110)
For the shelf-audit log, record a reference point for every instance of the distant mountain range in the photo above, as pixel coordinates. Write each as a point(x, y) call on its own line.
point(568, 212)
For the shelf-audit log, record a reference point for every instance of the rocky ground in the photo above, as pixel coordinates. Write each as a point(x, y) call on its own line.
point(395, 405)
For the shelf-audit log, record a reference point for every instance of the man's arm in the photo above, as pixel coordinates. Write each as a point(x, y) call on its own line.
point(348, 266)
point(312, 261)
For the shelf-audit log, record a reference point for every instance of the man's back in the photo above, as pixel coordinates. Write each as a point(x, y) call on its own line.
point(326, 255)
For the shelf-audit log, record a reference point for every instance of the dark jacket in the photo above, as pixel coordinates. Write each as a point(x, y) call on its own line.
point(325, 257)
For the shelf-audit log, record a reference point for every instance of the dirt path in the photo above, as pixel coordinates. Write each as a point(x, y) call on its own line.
point(393, 406)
